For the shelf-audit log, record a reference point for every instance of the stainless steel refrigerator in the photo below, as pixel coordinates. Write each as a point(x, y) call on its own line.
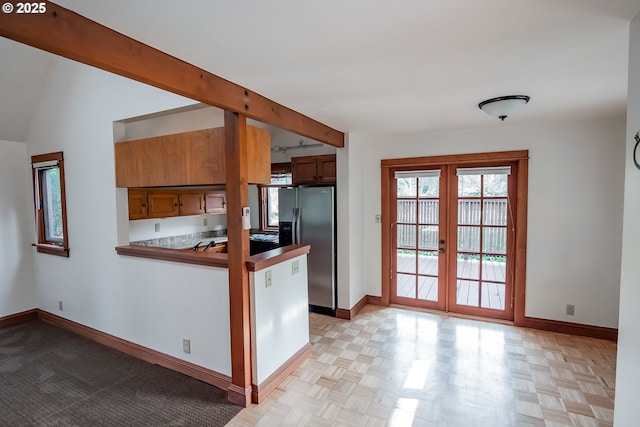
point(307, 216)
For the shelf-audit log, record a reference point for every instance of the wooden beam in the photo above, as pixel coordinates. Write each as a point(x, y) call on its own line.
point(66, 33)
point(238, 253)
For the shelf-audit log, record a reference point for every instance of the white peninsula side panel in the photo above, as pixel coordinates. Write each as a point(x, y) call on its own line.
point(279, 315)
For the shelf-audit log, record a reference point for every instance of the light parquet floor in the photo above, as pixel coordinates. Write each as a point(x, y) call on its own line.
point(398, 367)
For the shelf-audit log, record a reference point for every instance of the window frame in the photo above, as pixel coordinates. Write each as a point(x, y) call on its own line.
point(44, 245)
point(263, 194)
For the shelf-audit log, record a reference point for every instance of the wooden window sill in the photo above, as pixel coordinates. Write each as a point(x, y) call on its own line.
point(211, 259)
point(51, 249)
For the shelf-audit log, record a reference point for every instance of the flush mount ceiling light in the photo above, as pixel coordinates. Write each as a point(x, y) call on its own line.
point(503, 106)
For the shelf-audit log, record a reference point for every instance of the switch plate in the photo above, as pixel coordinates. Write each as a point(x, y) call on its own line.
point(378, 218)
point(60, 305)
point(205, 222)
point(571, 309)
point(295, 267)
point(267, 279)
point(186, 345)
point(157, 227)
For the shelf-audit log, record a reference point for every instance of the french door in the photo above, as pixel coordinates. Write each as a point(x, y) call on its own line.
point(452, 237)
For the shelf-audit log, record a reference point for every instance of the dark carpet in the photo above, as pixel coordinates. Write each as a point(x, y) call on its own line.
point(51, 377)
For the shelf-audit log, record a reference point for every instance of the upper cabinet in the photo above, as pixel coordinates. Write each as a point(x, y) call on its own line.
point(168, 202)
point(313, 170)
point(189, 158)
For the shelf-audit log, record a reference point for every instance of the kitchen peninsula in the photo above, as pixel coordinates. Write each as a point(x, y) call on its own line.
point(177, 180)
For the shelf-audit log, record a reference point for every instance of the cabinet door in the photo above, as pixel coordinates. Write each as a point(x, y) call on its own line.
point(162, 205)
point(138, 208)
point(326, 170)
point(216, 202)
point(191, 203)
point(303, 170)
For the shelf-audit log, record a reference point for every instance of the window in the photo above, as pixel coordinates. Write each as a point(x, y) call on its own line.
point(280, 177)
point(50, 206)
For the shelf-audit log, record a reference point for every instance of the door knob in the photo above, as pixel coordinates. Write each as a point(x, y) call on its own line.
point(441, 251)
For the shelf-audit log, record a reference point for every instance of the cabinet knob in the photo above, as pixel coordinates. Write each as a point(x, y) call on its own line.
point(144, 206)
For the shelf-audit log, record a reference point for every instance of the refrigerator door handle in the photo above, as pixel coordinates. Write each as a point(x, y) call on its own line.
point(298, 217)
point(294, 227)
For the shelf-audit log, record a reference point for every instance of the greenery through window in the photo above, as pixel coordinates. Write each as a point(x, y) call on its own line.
point(50, 203)
point(269, 199)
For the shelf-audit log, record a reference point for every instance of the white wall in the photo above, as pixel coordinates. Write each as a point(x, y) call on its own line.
point(575, 209)
point(280, 314)
point(17, 287)
point(627, 411)
point(152, 303)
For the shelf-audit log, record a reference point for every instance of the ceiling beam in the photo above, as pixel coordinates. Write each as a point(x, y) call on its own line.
point(66, 33)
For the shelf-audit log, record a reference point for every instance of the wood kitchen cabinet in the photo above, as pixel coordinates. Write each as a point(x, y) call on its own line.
point(216, 202)
point(191, 203)
point(313, 170)
point(138, 207)
point(188, 159)
point(163, 205)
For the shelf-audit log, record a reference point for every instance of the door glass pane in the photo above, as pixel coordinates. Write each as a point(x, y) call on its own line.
point(407, 211)
point(428, 237)
point(406, 236)
point(494, 240)
point(406, 285)
point(493, 296)
point(468, 185)
point(407, 187)
point(468, 266)
point(469, 239)
point(494, 212)
point(494, 268)
point(467, 293)
point(429, 186)
point(428, 211)
point(406, 261)
point(495, 185)
point(428, 288)
point(428, 262)
point(469, 212)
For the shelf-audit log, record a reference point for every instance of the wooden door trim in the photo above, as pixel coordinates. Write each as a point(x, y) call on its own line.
point(68, 34)
point(389, 166)
point(413, 162)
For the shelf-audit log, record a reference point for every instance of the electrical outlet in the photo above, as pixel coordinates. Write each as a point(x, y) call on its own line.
point(205, 222)
point(267, 279)
point(186, 345)
point(571, 309)
point(295, 267)
point(60, 305)
point(157, 227)
point(378, 219)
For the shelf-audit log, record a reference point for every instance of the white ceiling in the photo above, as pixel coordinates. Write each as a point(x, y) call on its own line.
point(397, 66)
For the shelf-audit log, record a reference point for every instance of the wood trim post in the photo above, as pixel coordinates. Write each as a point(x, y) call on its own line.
point(238, 252)
point(387, 183)
point(66, 33)
point(519, 287)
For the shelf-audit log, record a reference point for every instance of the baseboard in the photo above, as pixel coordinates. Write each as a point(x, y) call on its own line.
point(238, 395)
point(259, 392)
point(343, 313)
point(17, 318)
point(600, 332)
point(152, 356)
point(374, 300)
